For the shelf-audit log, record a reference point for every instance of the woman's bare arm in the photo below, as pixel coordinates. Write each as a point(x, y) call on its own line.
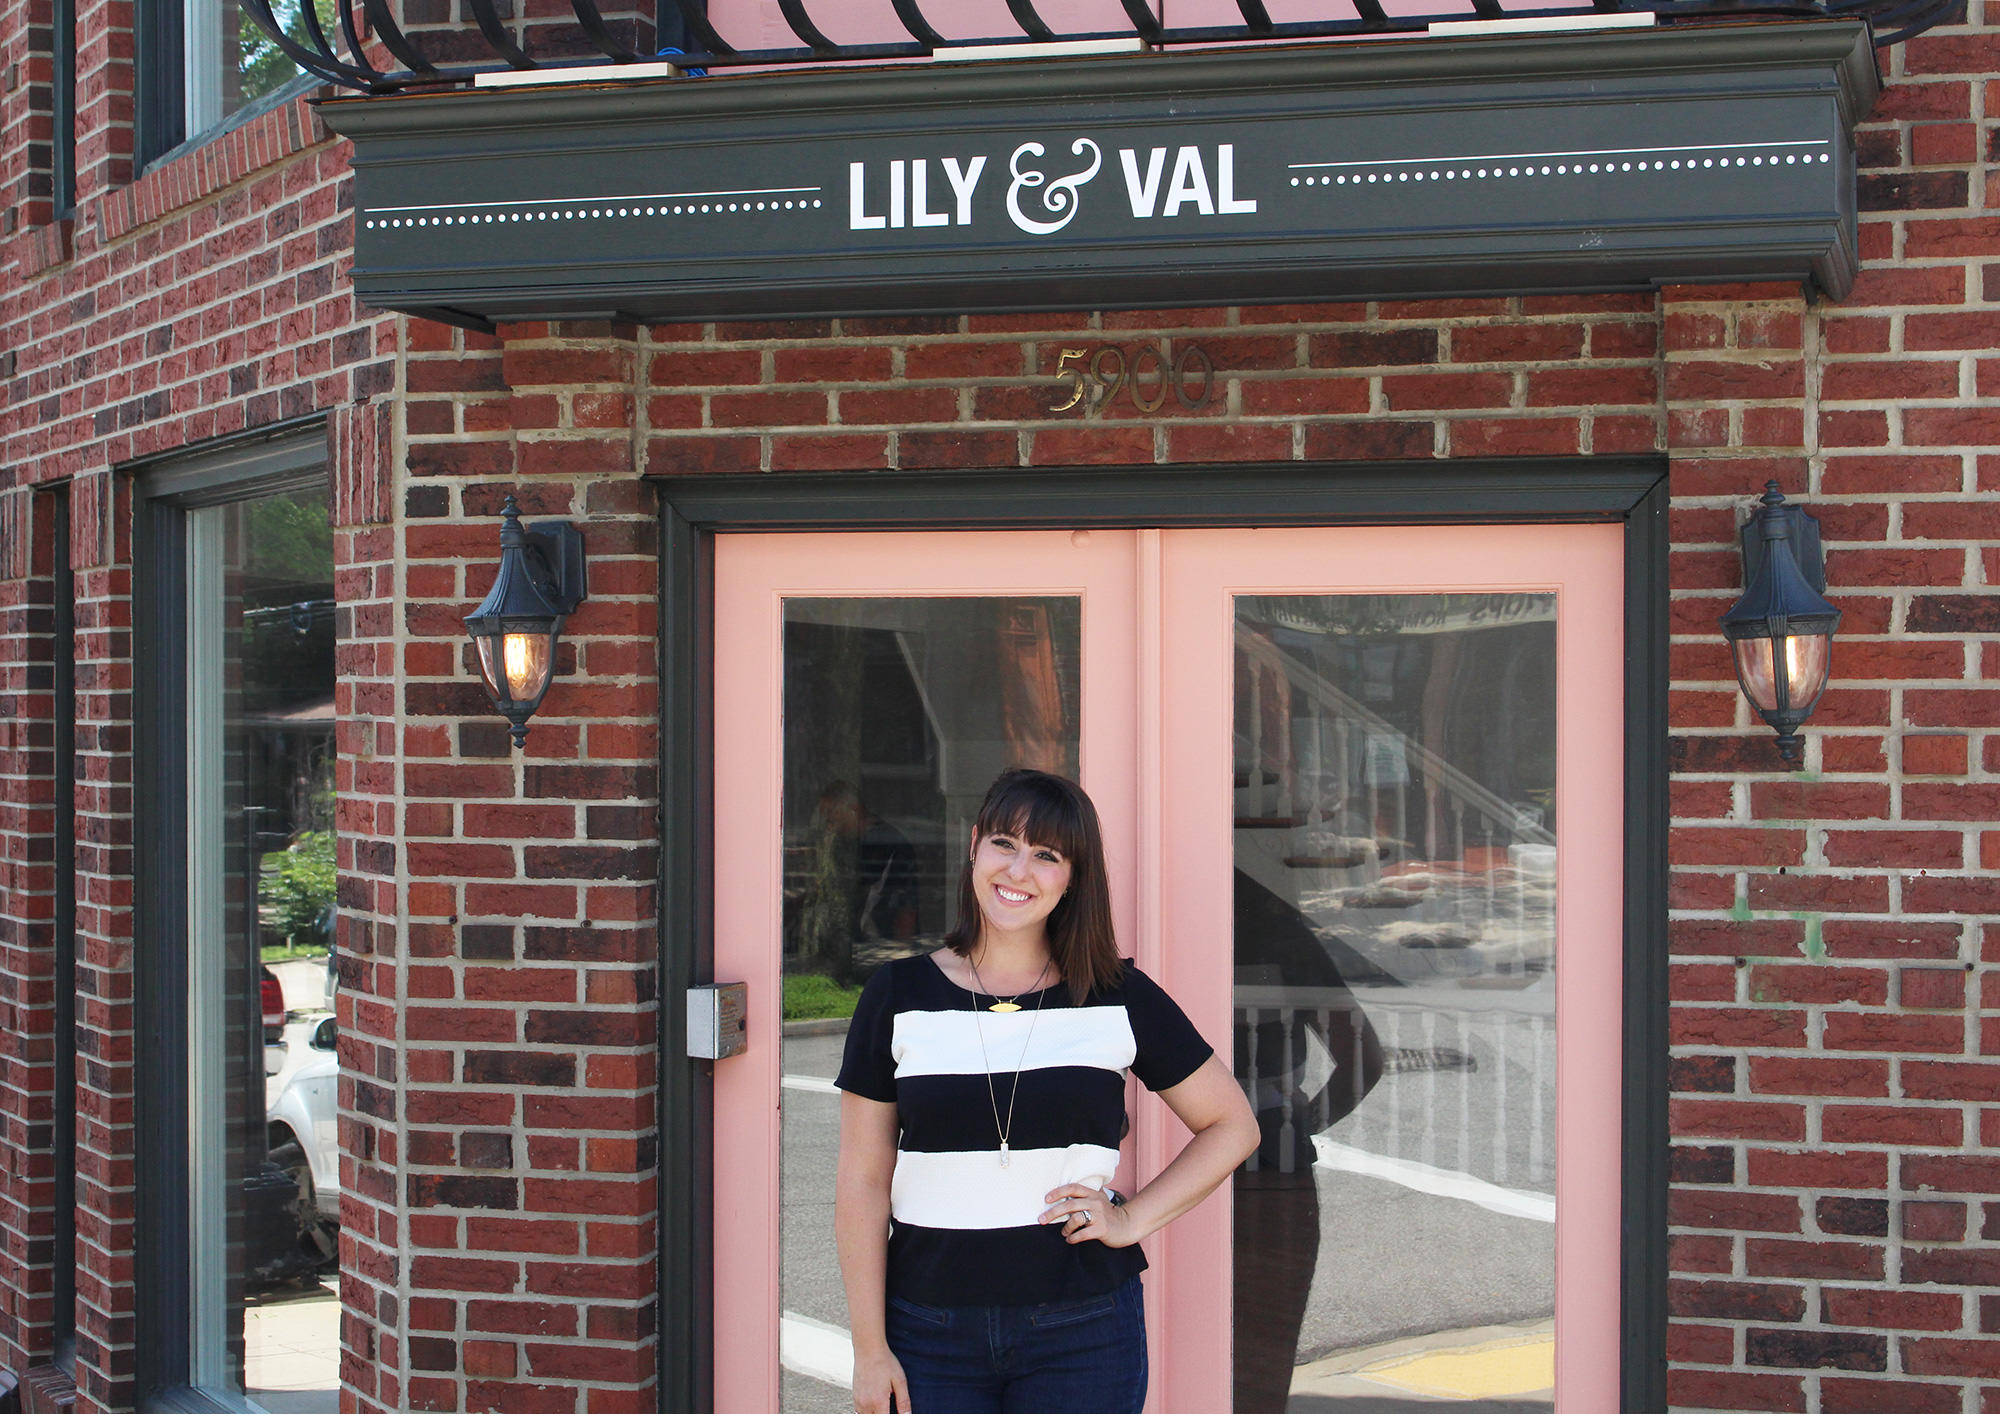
point(861, 1236)
point(1211, 1105)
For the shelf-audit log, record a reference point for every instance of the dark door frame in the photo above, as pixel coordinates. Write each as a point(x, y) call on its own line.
point(1629, 490)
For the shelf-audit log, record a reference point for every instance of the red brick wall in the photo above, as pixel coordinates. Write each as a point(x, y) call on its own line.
point(1837, 1225)
point(1836, 1221)
point(27, 910)
point(206, 298)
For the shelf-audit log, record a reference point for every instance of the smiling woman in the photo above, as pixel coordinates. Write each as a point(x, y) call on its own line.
point(1028, 1238)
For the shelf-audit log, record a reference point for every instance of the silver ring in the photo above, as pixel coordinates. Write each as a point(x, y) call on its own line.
point(1083, 1213)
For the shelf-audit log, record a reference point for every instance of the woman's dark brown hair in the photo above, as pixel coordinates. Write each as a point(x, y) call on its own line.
point(1036, 807)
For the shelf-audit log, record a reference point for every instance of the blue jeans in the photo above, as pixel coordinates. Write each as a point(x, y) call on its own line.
point(1067, 1357)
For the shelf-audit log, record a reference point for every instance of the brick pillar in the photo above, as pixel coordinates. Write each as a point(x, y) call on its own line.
point(512, 1026)
point(361, 443)
point(28, 978)
point(101, 554)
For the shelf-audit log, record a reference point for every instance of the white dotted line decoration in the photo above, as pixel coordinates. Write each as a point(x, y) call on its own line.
point(1517, 166)
point(660, 205)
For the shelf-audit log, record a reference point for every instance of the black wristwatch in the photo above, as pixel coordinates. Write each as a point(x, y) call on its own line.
point(1117, 1198)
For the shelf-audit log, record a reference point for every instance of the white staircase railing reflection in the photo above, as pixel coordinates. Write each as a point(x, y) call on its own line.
point(1467, 1088)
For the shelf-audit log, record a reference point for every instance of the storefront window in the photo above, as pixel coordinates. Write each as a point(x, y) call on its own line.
point(263, 1185)
point(898, 715)
point(1395, 1001)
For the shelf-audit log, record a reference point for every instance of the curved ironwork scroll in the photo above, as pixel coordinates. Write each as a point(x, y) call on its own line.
point(1145, 23)
point(316, 53)
point(393, 39)
point(495, 30)
point(795, 15)
point(599, 33)
point(912, 19)
point(694, 14)
point(321, 59)
point(1031, 23)
point(1257, 19)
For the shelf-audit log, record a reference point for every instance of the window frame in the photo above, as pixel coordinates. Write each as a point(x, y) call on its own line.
point(290, 457)
point(162, 129)
point(62, 102)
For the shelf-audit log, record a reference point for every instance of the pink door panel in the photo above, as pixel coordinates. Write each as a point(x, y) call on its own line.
point(1314, 607)
point(756, 577)
point(1392, 751)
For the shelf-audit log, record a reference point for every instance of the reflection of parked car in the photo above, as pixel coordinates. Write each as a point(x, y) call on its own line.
point(301, 1101)
point(271, 997)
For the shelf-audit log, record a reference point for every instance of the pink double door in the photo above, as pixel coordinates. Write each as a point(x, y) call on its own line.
point(1361, 796)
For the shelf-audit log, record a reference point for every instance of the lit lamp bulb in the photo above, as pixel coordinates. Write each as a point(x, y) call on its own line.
point(526, 661)
point(1805, 660)
point(1780, 632)
point(514, 630)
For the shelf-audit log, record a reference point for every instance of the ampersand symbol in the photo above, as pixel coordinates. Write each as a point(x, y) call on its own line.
point(1060, 198)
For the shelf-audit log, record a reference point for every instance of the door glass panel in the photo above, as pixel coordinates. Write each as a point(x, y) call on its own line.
point(1395, 849)
point(898, 715)
point(264, 1180)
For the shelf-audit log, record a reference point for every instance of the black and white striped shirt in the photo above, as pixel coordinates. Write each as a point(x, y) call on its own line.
point(964, 1229)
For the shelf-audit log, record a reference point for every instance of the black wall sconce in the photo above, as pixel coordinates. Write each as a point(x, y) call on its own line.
point(1781, 631)
point(515, 628)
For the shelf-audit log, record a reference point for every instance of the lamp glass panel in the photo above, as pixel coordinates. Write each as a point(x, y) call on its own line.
point(516, 665)
point(1805, 659)
point(525, 657)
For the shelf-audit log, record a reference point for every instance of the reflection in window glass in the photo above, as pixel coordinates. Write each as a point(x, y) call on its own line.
point(898, 715)
point(232, 62)
point(264, 1191)
point(1395, 957)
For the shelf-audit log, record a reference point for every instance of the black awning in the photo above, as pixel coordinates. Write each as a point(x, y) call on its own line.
point(1573, 162)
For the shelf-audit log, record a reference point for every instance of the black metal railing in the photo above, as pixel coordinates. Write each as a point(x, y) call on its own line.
point(349, 64)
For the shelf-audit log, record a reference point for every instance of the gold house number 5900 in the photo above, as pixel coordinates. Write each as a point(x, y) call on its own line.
point(1147, 377)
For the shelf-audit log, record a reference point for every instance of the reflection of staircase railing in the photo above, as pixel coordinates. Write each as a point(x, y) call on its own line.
point(1271, 669)
point(1467, 1090)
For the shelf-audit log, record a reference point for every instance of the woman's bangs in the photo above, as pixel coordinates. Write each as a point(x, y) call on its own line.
point(1037, 813)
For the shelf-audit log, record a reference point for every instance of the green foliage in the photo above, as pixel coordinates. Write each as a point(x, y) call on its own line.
point(810, 996)
point(295, 892)
point(261, 66)
point(289, 538)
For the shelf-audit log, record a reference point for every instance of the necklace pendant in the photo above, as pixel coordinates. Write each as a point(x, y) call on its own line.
point(1005, 1157)
point(1005, 1006)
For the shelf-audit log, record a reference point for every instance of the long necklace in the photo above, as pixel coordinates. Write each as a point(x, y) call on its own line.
point(1005, 1129)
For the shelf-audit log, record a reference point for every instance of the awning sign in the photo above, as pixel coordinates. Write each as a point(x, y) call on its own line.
point(1576, 162)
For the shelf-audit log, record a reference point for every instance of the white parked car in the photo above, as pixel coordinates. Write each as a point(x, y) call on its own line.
point(301, 1098)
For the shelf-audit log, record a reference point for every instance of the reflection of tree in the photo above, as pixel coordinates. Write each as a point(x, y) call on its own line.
point(287, 538)
point(1031, 697)
point(826, 924)
point(831, 687)
point(262, 67)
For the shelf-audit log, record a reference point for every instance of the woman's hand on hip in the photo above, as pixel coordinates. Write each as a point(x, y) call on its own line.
point(878, 1374)
point(1088, 1215)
